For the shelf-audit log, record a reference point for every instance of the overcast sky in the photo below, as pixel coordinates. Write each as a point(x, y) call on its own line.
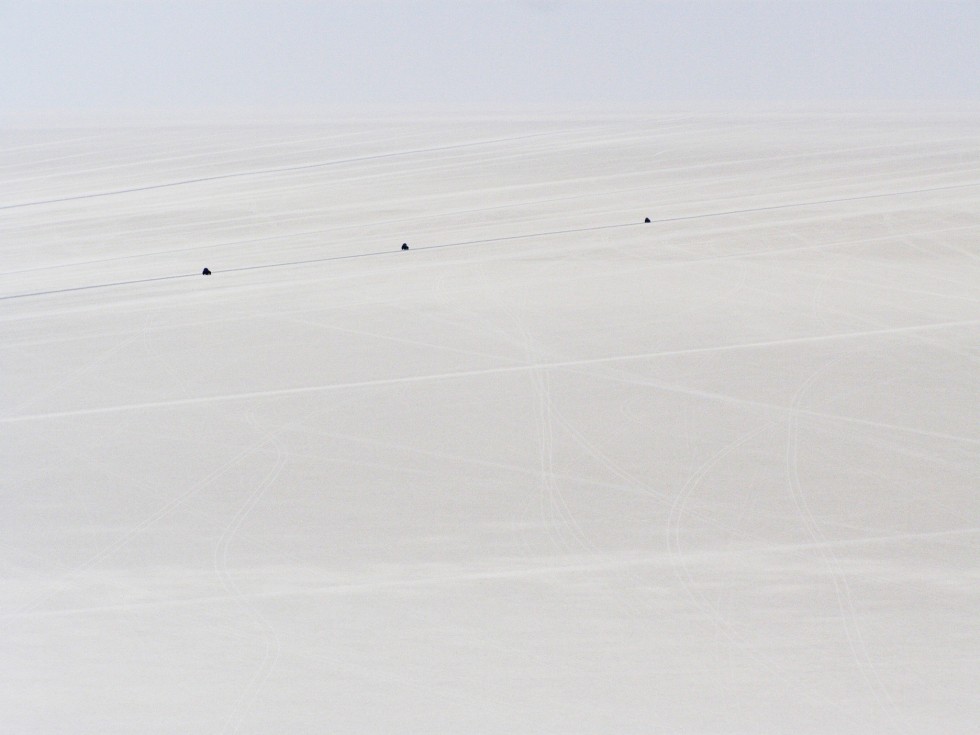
point(335, 55)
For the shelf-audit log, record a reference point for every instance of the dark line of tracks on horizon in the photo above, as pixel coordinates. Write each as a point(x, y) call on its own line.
point(485, 241)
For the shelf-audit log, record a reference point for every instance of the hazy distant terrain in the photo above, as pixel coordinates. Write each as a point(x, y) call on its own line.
point(552, 470)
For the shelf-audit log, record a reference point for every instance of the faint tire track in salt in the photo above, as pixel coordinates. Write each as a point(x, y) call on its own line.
point(90, 366)
point(265, 171)
point(881, 285)
point(48, 143)
point(467, 460)
point(522, 572)
point(209, 153)
point(682, 571)
point(547, 506)
point(678, 509)
point(852, 629)
point(612, 466)
point(557, 506)
point(635, 484)
point(64, 581)
point(869, 324)
point(550, 417)
point(523, 368)
point(273, 646)
point(401, 340)
point(522, 340)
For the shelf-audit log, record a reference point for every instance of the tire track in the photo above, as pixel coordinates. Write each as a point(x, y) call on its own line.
point(852, 629)
point(64, 582)
point(267, 171)
point(682, 571)
point(273, 645)
point(462, 374)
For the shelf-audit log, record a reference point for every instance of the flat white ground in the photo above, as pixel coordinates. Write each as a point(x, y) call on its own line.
point(553, 470)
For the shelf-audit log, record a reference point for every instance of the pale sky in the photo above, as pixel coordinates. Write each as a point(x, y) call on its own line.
point(336, 55)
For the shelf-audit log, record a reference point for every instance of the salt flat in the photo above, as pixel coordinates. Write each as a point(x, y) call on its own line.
point(552, 470)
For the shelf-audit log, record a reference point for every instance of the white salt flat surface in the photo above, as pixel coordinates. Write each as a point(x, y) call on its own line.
point(570, 473)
